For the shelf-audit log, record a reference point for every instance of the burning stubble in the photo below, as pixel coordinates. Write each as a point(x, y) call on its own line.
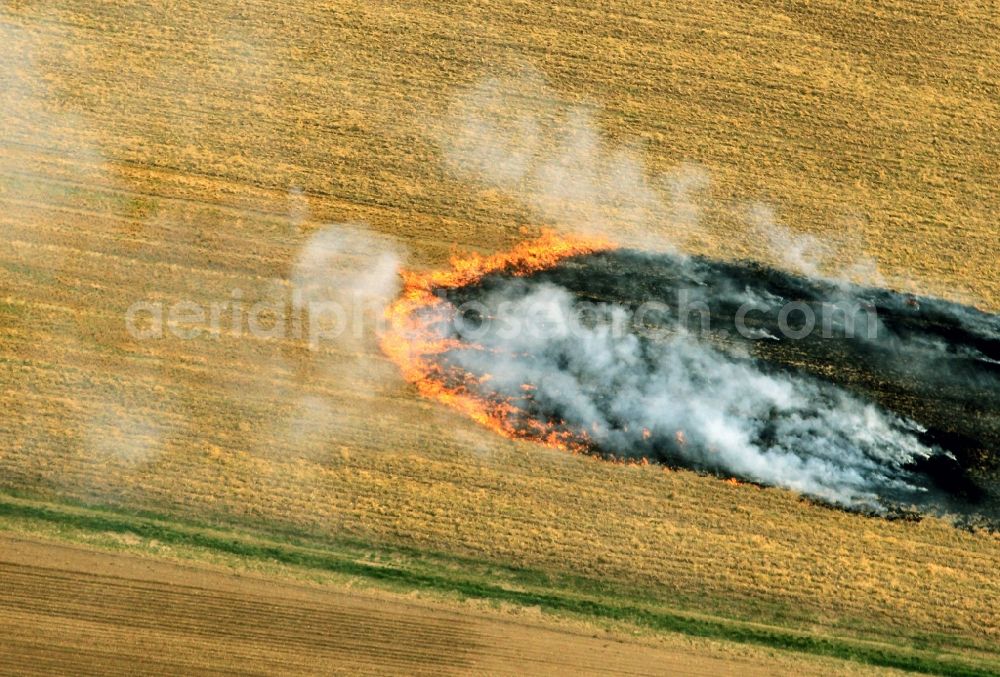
point(887, 405)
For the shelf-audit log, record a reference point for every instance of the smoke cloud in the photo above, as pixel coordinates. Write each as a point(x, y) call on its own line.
point(342, 277)
point(114, 424)
point(731, 415)
point(342, 280)
point(713, 402)
point(517, 135)
point(779, 412)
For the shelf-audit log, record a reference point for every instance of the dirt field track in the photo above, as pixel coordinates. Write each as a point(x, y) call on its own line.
point(69, 610)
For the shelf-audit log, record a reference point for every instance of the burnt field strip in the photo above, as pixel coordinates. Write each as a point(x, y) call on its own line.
point(866, 398)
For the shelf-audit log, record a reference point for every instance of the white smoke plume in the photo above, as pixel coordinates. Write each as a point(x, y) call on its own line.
point(837, 257)
point(710, 409)
point(116, 424)
point(344, 262)
point(341, 280)
point(730, 413)
point(517, 135)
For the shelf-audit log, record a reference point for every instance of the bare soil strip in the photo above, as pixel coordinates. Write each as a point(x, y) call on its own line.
point(67, 609)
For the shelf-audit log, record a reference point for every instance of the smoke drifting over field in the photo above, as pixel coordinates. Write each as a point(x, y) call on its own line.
point(516, 134)
point(885, 403)
point(648, 356)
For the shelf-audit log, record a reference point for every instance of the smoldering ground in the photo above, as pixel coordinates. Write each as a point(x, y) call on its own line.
point(889, 403)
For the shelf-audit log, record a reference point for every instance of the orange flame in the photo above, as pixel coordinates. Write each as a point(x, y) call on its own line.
point(410, 338)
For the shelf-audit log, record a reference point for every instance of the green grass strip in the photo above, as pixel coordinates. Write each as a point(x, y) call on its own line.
point(311, 558)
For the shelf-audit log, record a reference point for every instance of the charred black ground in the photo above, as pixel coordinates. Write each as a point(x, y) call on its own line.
point(929, 362)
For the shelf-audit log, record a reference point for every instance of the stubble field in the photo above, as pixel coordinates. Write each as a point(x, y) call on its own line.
point(155, 151)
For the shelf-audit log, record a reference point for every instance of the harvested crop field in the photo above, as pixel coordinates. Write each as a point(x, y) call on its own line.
point(159, 153)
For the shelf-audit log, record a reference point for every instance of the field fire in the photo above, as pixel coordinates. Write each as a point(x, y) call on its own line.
point(862, 398)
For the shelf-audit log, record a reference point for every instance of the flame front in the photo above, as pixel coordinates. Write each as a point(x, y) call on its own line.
point(411, 339)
